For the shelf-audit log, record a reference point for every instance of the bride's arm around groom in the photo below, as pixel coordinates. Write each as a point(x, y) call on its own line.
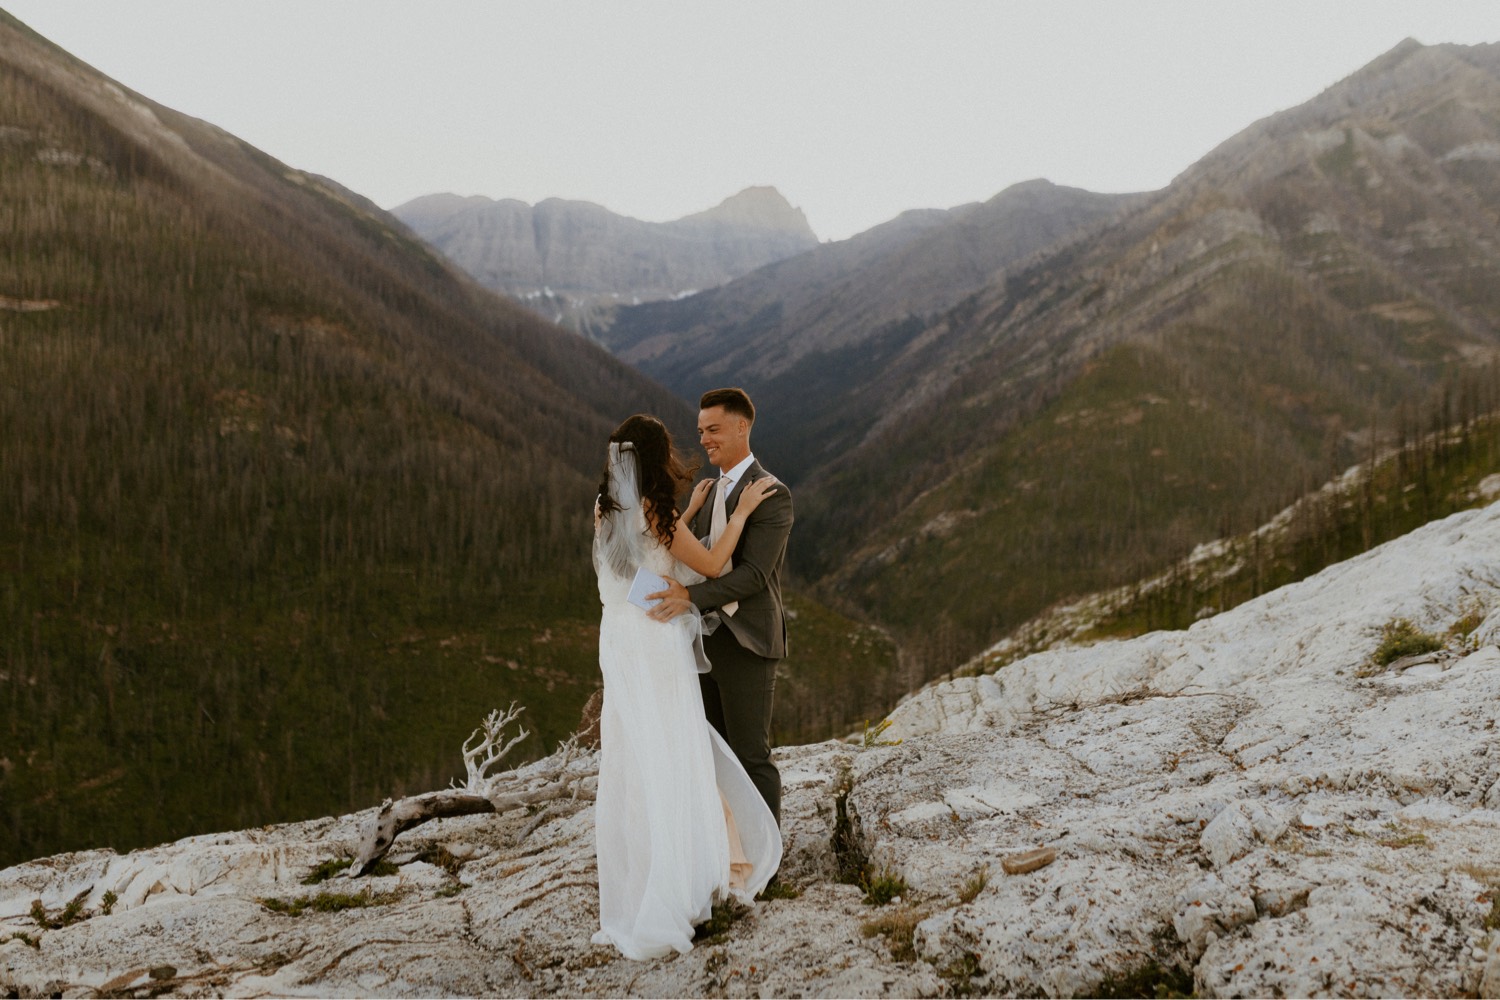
point(754, 581)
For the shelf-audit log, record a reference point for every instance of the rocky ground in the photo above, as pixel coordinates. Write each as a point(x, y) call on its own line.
point(1250, 807)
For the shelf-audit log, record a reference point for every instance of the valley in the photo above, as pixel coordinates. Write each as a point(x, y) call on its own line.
point(289, 500)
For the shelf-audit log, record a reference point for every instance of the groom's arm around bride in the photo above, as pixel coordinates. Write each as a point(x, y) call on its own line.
point(744, 650)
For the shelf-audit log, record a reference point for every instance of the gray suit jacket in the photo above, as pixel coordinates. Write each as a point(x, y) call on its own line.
point(755, 579)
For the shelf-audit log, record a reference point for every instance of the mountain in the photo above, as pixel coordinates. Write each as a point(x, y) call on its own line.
point(285, 497)
point(1088, 413)
point(574, 261)
point(810, 336)
point(279, 483)
point(1187, 370)
point(1256, 806)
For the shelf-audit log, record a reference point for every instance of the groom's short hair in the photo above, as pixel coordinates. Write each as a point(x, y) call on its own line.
point(736, 401)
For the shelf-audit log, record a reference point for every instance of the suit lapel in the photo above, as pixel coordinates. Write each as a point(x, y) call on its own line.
point(732, 501)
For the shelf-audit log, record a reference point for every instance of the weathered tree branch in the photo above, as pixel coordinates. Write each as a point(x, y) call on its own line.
point(480, 758)
point(483, 792)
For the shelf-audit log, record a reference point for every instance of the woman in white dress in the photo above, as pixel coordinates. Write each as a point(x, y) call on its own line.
point(678, 823)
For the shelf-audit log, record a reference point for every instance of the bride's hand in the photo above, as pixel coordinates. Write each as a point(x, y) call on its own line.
point(754, 493)
point(699, 497)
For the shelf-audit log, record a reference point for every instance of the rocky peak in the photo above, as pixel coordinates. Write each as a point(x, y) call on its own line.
point(757, 208)
point(575, 261)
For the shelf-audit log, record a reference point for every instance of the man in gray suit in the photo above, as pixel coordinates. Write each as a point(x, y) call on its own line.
point(751, 637)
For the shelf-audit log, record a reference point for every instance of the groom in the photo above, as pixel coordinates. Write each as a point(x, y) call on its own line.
point(751, 637)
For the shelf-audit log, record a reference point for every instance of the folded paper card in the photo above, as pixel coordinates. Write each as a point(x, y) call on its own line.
point(645, 582)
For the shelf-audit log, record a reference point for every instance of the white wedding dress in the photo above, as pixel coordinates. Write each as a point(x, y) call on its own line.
point(662, 831)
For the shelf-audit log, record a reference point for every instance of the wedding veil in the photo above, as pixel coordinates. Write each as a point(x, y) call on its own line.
point(620, 541)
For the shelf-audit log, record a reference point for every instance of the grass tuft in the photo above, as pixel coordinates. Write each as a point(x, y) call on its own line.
point(975, 884)
point(1474, 614)
point(715, 930)
point(960, 974)
point(328, 869)
point(440, 857)
point(1149, 980)
point(779, 889)
point(1400, 839)
point(899, 930)
point(328, 902)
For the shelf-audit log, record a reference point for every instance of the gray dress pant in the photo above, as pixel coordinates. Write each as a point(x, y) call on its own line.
point(737, 696)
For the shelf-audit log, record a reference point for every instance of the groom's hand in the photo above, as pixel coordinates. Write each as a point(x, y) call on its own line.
point(674, 602)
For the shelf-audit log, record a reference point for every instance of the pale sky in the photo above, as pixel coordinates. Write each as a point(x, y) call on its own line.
point(856, 110)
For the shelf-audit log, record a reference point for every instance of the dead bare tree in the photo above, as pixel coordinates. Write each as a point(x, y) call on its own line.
point(565, 777)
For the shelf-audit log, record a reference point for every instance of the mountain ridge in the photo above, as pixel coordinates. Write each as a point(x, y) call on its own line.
point(1155, 377)
point(575, 261)
point(839, 311)
point(1336, 274)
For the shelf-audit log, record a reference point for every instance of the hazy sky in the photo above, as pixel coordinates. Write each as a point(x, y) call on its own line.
point(855, 110)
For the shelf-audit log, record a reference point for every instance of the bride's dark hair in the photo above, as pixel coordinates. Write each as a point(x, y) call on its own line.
point(663, 473)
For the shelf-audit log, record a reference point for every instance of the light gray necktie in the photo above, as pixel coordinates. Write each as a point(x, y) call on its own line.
point(716, 524)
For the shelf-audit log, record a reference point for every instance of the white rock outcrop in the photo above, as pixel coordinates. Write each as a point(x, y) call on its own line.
point(1248, 807)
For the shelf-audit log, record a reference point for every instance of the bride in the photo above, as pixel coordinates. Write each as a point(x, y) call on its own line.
point(678, 823)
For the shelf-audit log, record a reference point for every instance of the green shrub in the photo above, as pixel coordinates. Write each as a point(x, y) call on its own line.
point(873, 733)
point(883, 886)
point(1400, 638)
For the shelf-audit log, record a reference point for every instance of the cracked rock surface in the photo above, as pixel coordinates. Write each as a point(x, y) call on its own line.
point(1248, 807)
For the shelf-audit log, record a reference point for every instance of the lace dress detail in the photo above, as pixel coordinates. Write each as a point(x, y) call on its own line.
point(669, 786)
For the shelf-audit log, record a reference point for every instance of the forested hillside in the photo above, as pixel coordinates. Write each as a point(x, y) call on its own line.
point(1225, 347)
point(1446, 459)
point(287, 503)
